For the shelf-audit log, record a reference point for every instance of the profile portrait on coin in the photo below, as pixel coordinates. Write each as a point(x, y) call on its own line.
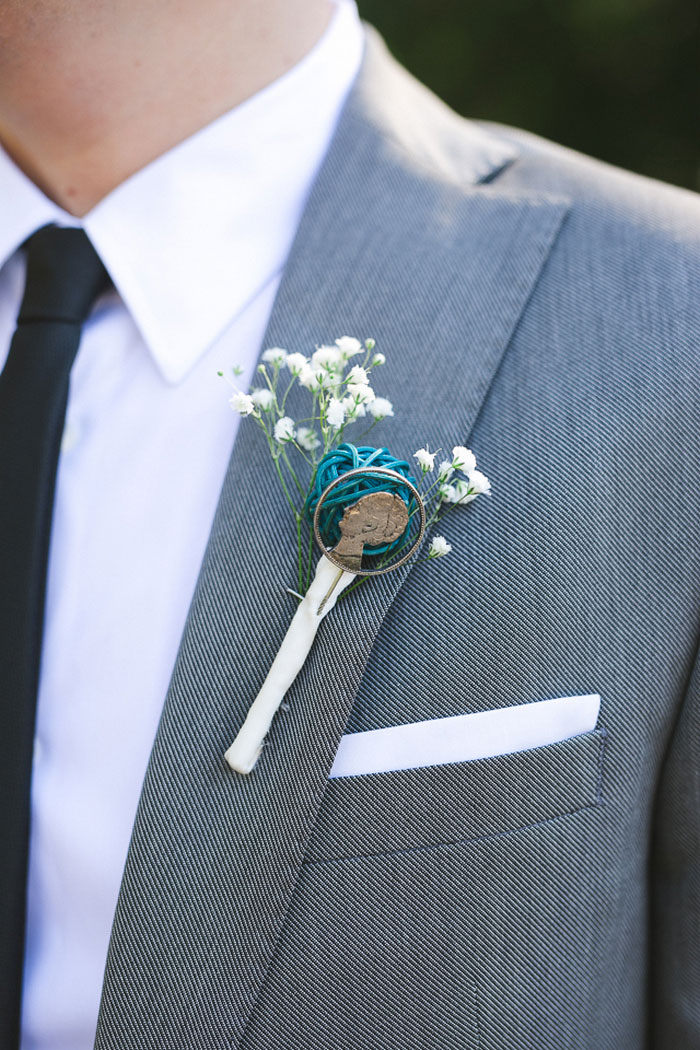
point(376, 519)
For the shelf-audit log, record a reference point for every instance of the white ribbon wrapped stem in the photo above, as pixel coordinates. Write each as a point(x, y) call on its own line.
point(327, 585)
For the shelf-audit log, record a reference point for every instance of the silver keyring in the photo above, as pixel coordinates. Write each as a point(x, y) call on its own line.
point(387, 473)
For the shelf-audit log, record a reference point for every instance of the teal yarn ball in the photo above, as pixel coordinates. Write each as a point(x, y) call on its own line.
point(338, 462)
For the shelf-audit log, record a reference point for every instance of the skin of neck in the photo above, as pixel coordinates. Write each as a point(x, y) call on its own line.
point(93, 90)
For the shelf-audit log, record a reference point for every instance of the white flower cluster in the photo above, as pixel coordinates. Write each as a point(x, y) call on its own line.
point(349, 393)
point(341, 391)
point(458, 481)
point(439, 547)
point(284, 429)
point(242, 403)
point(452, 489)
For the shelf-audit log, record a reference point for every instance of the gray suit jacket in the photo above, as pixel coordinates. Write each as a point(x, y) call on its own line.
point(542, 308)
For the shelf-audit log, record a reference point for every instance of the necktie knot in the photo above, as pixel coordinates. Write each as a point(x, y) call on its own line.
point(64, 276)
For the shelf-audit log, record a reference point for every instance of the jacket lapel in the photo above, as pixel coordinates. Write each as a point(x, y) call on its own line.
point(395, 245)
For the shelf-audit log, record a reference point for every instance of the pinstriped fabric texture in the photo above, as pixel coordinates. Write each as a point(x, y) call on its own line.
point(547, 319)
point(406, 937)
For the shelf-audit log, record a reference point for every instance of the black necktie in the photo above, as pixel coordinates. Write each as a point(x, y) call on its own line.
point(64, 276)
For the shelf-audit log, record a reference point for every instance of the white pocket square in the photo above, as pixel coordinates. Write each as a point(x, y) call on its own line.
point(461, 738)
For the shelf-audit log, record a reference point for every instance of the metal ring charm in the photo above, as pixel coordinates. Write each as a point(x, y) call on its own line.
point(384, 472)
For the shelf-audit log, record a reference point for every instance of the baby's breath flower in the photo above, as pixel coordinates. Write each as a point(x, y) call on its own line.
point(335, 413)
point(275, 356)
point(263, 398)
point(284, 429)
point(381, 407)
point(358, 374)
point(478, 483)
point(445, 470)
point(370, 343)
point(426, 460)
point(378, 359)
point(362, 394)
point(463, 459)
point(439, 547)
point(326, 357)
point(308, 439)
point(309, 379)
point(295, 362)
point(348, 346)
point(242, 403)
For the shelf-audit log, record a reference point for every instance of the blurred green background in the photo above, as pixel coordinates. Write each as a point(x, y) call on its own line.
point(618, 79)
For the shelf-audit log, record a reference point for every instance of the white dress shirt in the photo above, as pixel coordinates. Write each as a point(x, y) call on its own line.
point(195, 244)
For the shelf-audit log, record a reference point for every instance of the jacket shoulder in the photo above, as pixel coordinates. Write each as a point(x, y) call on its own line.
point(629, 244)
point(597, 187)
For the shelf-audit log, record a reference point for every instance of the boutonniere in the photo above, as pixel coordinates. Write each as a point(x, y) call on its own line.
point(360, 505)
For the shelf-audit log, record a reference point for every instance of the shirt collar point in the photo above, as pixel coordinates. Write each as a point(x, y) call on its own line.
point(174, 359)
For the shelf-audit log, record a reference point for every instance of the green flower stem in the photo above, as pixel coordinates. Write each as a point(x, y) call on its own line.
point(286, 394)
point(270, 385)
point(438, 481)
point(290, 468)
point(297, 517)
point(353, 586)
point(302, 453)
point(450, 507)
point(364, 433)
point(283, 483)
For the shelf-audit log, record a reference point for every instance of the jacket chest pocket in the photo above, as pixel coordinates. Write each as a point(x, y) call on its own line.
point(443, 906)
point(412, 809)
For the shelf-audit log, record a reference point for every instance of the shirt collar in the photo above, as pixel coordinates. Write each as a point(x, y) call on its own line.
point(192, 238)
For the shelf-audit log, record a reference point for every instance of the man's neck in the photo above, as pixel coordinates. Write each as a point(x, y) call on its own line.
point(91, 93)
